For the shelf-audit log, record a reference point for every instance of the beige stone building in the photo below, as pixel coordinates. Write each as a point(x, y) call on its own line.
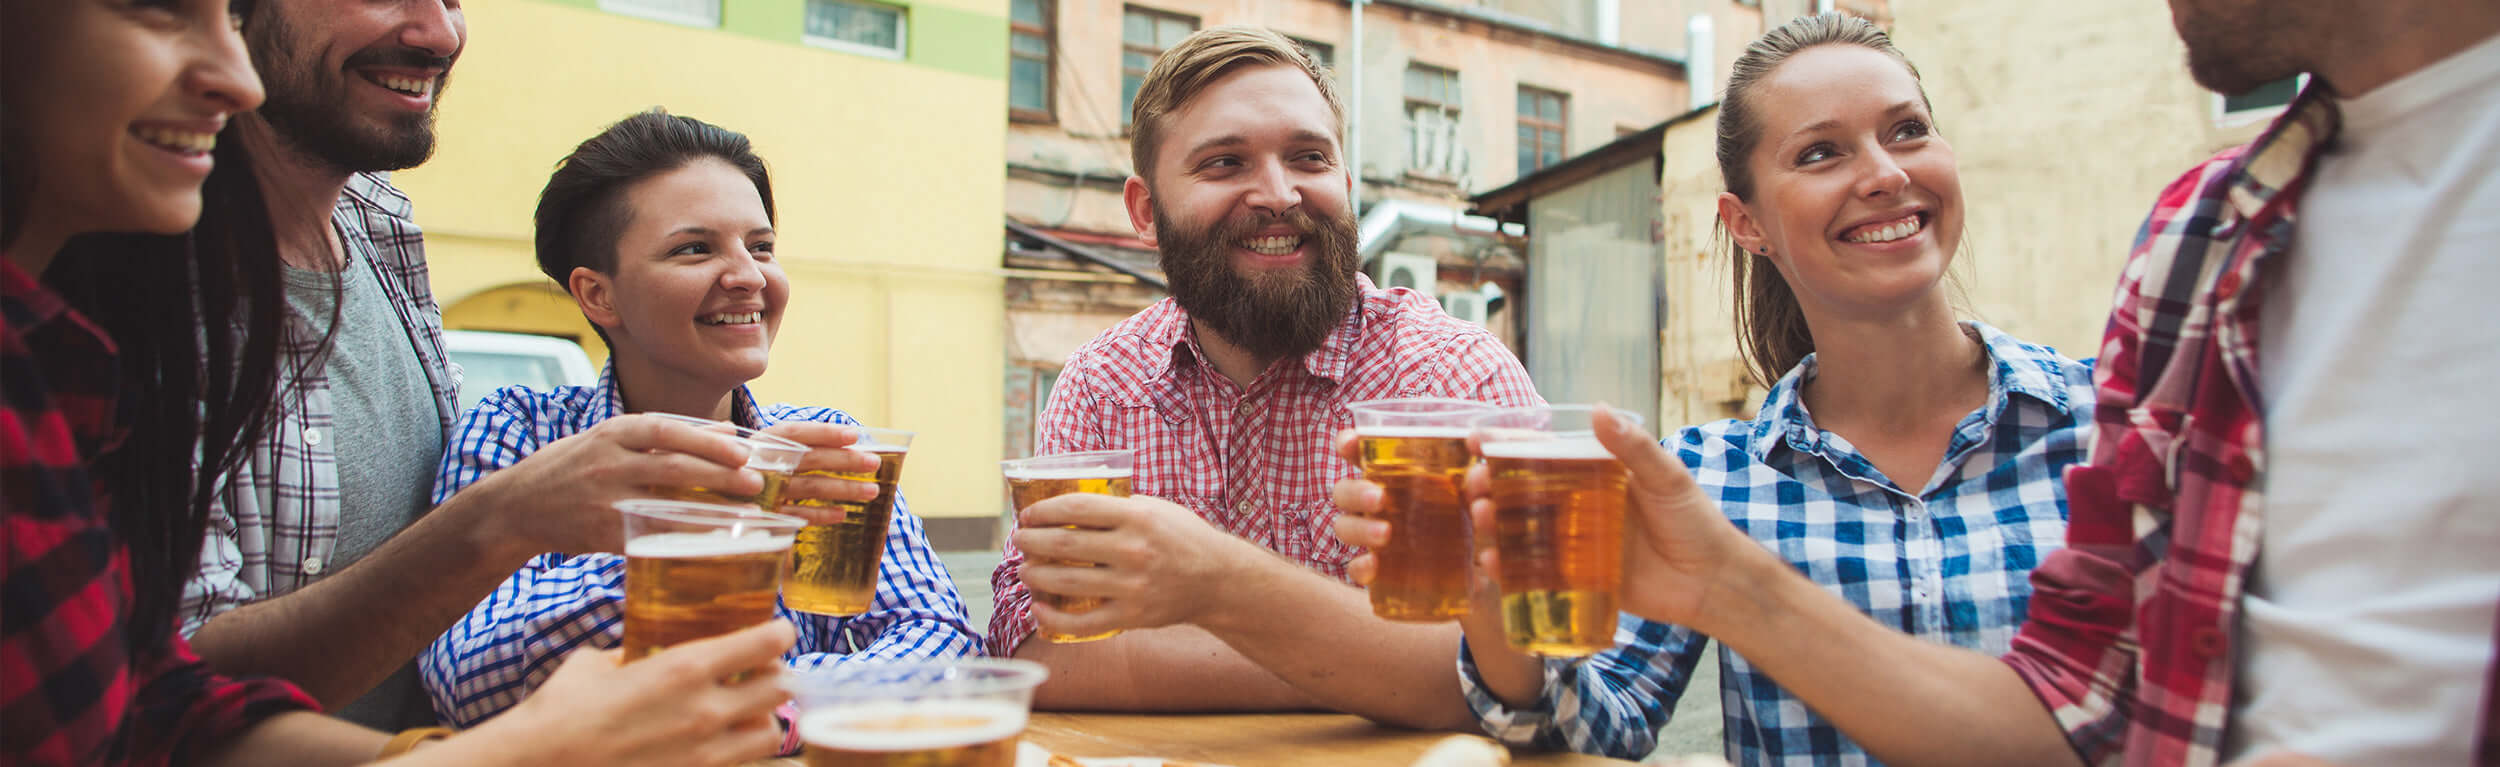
point(1446, 98)
point(2067, 119)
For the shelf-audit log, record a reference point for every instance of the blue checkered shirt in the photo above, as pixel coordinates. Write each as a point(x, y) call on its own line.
point(1949, 564)
point(511, 642)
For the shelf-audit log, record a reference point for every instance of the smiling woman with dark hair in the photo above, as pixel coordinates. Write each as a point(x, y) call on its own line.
point(661, 228)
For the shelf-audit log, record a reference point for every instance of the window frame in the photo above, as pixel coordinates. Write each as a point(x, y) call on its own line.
point(1328, 62)
point(1128, 104)
point(902, 31)
point(641, 10)
point(1049, 34)
point(1454, 110)
point(1561, 126)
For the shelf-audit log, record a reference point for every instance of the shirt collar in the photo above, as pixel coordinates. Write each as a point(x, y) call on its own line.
point(611, 402)
point(1331, 361)
point(2014, 368)
point(2282, 157)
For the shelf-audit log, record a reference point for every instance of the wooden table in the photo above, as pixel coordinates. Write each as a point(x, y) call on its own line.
point(1254, 740)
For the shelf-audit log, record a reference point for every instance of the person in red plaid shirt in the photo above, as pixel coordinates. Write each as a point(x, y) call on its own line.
point(1222, 568)
point(2280, 550)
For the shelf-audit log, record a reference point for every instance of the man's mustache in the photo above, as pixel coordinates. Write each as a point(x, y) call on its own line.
point(398, 57)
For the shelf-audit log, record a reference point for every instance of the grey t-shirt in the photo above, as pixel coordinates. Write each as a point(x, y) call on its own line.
point(388, 438)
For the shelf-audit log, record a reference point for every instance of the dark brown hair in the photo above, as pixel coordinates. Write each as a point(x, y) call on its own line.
point(1769, 322)
point(583, 207)
point(1189, 66)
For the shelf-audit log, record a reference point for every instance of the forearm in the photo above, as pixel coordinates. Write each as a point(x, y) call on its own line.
point(392, 602)
point(299, 738)
point(1515, 678)
point(1175, 668)
point(1338, 653)
point(1906, 700)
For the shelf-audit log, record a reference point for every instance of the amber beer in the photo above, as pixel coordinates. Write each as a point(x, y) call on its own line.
point(833, 567)
point(698, 570)
point(773, 457)
point(943, 733)
point(1032, 480)
point(1558, 529)
point(1416, 451)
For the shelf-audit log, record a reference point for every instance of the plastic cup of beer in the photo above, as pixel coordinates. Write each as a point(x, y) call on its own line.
point(696, 570)
point(962, 712)
point(1558, 527)
point(1416, 451)
point(774, 457)
point(833, 566)
point(1031, 480)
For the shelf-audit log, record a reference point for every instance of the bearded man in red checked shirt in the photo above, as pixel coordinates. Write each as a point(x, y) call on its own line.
point(2281, 550)
point(1222, 569)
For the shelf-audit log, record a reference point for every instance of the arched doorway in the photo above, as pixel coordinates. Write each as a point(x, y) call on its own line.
point(536, 308)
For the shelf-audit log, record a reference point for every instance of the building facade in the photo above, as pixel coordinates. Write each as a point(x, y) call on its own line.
point(881, 122)
point(1445, 99)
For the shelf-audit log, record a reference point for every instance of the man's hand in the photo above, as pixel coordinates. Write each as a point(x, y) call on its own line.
point(673, 708)
point(561, 498)
point(1161, 564)
point(829, 453)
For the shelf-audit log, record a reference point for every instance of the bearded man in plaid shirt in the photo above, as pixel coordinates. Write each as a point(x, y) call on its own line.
point(2281, 548)
point(1222, 568)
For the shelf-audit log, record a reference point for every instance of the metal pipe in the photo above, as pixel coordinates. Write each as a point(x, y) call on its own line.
point(1354, 113)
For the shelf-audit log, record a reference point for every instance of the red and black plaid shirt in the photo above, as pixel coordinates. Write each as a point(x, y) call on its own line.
point(72, 691)
point(1253, 461)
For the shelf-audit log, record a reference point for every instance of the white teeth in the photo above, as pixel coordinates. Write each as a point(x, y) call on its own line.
point(182, 141)
point(1889, 232)
point(408, 85)
point(732, 319)
point(1274, 245)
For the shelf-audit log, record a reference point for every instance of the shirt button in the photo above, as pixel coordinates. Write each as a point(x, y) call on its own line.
point(1243, 507)
point(1242, 407)
point(2242, 469)
point(312, 436)
point(312, 565)
point(2207, 642)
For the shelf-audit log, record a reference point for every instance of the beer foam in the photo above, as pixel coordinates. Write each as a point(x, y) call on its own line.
point(879, 447)
point(943, 724)
point(1412, 432)
point(684, 545)
point(1567, 448)
point(1096, 472)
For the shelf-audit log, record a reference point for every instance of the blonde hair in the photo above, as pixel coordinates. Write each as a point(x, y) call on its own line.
point(1769, 322)
point(1187, 68)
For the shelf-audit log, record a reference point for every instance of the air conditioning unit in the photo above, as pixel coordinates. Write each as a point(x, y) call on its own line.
point(1406, 270)
point(1465, 306)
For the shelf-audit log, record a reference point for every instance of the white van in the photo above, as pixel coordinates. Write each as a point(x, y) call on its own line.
point(490, 361)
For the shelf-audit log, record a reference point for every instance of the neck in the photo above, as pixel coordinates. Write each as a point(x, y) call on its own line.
point(35, 244)
point(1231, 360)
point(300, 191)
point(2374, 42)
point(1894, 370)
point(647, 390)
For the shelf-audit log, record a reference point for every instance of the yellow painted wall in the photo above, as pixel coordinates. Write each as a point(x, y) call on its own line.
point(885, 175)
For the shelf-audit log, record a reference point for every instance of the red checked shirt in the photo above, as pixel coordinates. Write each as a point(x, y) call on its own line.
point(2130, 640)
point(72, 689)
point(1254, 461)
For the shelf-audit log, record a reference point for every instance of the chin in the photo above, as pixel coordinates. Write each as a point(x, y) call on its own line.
point(166, 216)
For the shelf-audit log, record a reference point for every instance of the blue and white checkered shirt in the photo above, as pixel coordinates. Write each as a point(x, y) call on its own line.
point(1949, 564)
point(511, 642)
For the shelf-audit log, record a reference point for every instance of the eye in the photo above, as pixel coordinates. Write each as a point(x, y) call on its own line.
point(1221, 162)
point(1909, 129)
point(762, 249)
point(1814, 154)
point(695, 248)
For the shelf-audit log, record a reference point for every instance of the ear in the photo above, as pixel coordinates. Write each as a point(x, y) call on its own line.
point(1141, 208)
point(1740, 223)
point(591, 292)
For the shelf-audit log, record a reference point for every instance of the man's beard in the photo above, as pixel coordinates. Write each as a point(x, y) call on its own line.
point(306, 106)
point(2233, 50)
point(1272, 314)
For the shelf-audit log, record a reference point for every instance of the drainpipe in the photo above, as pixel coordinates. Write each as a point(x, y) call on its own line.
point(1354, 112)
point(1610, 22)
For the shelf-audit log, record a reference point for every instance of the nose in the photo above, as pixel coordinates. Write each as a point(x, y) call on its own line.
point(1882, 176)
point(743, 273)
point(435, 26)
point(1272, 189)
point(222, 73)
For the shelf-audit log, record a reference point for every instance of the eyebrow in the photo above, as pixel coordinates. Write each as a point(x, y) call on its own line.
point(1905, 106)
point(1304, 136)
point(707, 231)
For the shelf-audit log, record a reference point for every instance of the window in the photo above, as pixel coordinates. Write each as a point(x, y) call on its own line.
point(1432, 106)
point(875, 29)
point(1541, 124)
point(1029, 62)
point(2259, 103)
point(1320, 52)
point(698, 13)
point(1144, 33)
